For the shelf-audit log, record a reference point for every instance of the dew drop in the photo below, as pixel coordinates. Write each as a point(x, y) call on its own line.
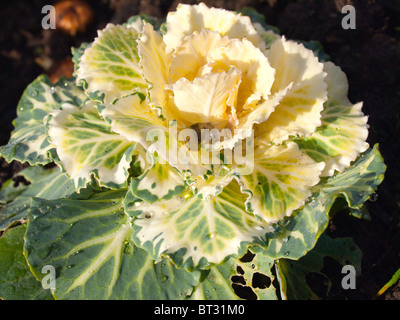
point(34, 93)
point(21, 109)
point(286, 239)
point(42, 210)
point(148, 215)
point(373, 197)
point(128, 248)
point(51, 90)
point(211, 235)
point(337, 129)
point(287, 253)
point(65, 84)
point(164, 278)
point(312, 201)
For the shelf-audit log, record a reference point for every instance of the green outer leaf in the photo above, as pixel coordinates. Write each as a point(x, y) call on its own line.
point(16, 280)
point(89, 244)
point(216, 284)
point(260, 265)
point(44, 183)
point(292, 274)
point(359, 181)
point(218, 281)
point(29, 141)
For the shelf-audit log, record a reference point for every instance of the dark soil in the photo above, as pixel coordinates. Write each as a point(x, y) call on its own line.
point(369, 55)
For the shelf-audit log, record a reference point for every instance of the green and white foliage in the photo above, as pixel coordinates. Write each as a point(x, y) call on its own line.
point(137, 203)
point(43, 183)
point(29, 141)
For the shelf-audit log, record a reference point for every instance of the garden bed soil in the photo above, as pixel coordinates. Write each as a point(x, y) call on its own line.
point(369, 55)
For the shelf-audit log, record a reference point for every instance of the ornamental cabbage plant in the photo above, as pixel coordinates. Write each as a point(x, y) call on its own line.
point(193, 157)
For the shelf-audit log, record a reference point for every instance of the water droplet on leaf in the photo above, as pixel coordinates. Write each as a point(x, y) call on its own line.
point(373, 197)
point(128, 248)
point(148, 215)
point(211, 235)
point(164, 278)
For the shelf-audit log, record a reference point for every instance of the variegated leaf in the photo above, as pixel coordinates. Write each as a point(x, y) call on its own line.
point(298, 113)
point(110, 65)
point(194, 232)
point(29, 141)
point(280, 181)
point(160, 181)
point(87, 147)
point(344, 130)
point(133, 119)
point(340, 139)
